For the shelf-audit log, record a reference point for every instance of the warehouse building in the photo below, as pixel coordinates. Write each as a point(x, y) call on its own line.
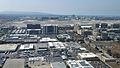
point(47, 39)
point(58, 65)
point(27, 47)
point(78, 64)
point(8, 47)
point(19, 63)
point(88, 56)
point(56, 45)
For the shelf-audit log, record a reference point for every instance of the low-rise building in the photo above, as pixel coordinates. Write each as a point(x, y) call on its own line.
point(87, 56)
point(14, 63)
point(78, 64)
point(47, 39)
point(58, 65)
point(27, 47)
point(38, 62)
point(56, 45)
point(8, 47)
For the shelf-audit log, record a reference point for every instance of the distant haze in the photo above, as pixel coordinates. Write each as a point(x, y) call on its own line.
point(23, 13)
point(66, 7)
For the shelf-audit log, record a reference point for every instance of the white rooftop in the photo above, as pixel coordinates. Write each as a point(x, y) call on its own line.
point(36, 58)
point(86, 26)
point(26, 46)
point(87, 55)
point(83, 49)
point(8, 47)
point(79, 64)
point(50, 24)
point(47, 39)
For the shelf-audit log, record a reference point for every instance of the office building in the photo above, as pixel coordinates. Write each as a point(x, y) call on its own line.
point(34, 29)
point(50, 29)
point(116, 26)
point(104, 25)
point(97, 25)
point(33, 26)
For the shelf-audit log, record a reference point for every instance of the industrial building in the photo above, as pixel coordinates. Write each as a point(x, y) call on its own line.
point(58, 65)
point(13, 63)
point(27, 47)
point(38, 62)
point(18, 31)
point(47, 39)
point(8, 47)
point(88, 56)
point(56, 45)
point(78, 64)
point(21, 38)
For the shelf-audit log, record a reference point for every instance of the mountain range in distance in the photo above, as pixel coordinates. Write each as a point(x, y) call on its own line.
point(23, 13)
point(28, 13)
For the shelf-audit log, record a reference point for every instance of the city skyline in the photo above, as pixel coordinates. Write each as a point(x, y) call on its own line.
point(78, 7)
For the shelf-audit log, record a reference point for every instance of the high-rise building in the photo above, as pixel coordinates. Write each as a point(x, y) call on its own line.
point(97, 25)
point(34, 29)
point(50, 29)
point(104, 25)
point(117, 26)
point(33, 26)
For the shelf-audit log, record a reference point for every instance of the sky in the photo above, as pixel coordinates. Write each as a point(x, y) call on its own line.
point(78, 7)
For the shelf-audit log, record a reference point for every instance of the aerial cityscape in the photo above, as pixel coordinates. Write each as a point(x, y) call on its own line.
point(59, 34)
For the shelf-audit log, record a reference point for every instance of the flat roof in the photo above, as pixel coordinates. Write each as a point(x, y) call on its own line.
point(47, 39)
point(8, 47)
point(58, 65)
point(42, 45)
point(26, 46)
point(64, 36)
point(79, 64)
point(38, 62)
point(86, 26)
point(87, 55)
point(42, 66)
point(36, 58)
point(14, 63)
point(50, 24)
point(73, 44)
point(58, 45)
point(84, 49)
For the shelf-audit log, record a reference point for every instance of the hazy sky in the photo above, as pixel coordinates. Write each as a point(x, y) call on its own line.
point(82, 7)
